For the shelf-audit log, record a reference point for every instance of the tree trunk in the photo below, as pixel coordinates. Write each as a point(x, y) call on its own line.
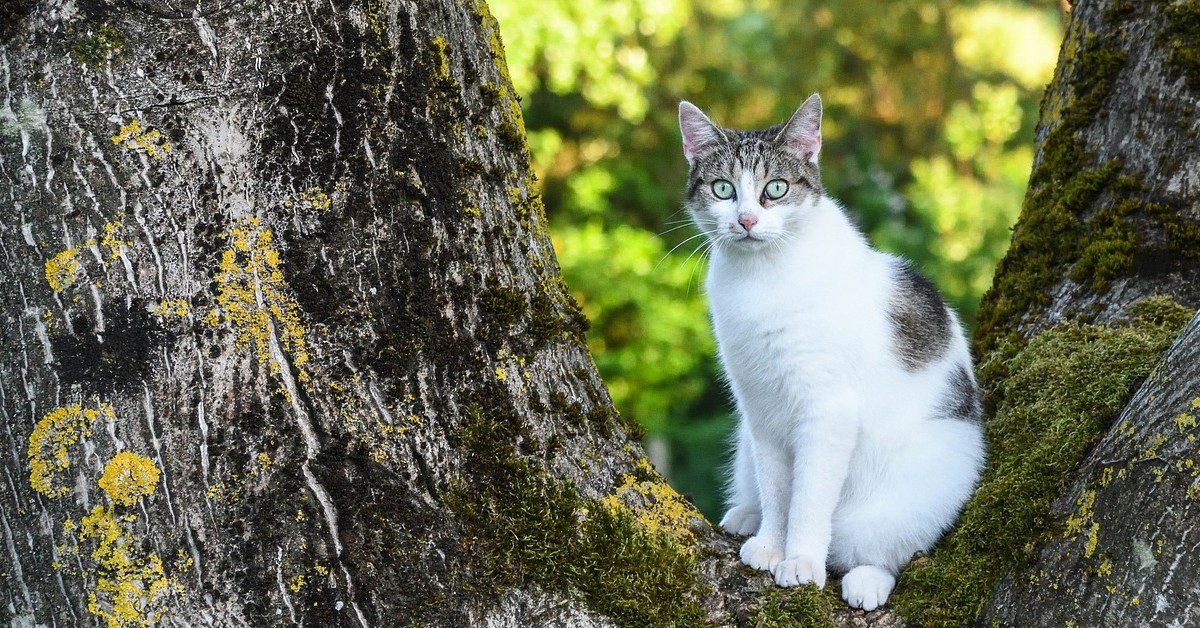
point(285, 339)
point(1112, 218)
point(1111, 215)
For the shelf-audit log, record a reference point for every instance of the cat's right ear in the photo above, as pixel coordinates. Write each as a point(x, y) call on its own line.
point(802, 133)
point(699, 133)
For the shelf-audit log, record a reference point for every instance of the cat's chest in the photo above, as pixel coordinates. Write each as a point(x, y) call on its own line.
point(792, 315)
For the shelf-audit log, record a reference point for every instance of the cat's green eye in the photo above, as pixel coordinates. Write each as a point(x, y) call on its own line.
point(722, 189)
point(776, 189)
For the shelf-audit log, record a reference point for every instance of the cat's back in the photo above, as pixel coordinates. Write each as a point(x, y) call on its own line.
point(923, 329)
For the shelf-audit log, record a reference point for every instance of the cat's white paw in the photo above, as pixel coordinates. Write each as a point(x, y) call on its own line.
point(794, 572)
point(867, 587)
point(759, 554)
point(741, 520)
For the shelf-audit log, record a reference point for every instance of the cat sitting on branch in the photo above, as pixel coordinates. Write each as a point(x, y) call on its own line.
point(860, 422)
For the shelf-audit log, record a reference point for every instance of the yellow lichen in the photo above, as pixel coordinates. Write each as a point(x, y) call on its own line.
point(61, 270)
point(297, 582)
point(110, 241)
point(317, 199)
point(442, 71)
point(176, 308)
point(129, 477)
point(58, 430)
point(131, 587)
point(1077, 521)
point(1185, 422)
point(660, 508)
point(1092, 541)
point(134, 137)
point(253, 297)
point(264, 460)
point(224, 492)
point(1151, 451)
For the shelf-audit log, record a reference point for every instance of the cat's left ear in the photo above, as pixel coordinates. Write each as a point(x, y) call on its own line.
point(802, 133)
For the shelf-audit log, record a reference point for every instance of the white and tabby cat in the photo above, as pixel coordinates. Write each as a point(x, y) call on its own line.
point(860, 434)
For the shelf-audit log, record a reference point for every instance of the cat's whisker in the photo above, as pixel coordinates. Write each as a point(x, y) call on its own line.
point(678, 225)
point(704, 250)
point(674, 248)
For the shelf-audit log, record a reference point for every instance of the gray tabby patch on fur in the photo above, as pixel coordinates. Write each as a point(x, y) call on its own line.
point(920, 324)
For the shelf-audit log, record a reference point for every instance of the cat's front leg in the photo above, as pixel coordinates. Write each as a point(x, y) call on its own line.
point(772, 466)
point(745, 513)
point(823, 449)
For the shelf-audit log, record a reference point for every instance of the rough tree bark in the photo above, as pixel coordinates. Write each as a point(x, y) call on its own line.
point(1113, 217)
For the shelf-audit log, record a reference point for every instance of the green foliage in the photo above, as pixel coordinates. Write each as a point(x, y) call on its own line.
point(930, 111)
point(804, 606)
point(1182, 39)
point(1062, 391)
point(649, 333)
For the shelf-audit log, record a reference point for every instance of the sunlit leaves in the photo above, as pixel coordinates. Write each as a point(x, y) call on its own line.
point(999, 37)
point(649, 333)
point(594, 48)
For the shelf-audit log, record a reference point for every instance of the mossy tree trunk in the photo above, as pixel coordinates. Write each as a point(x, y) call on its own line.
point(285, 340)
point(1108, 238)
point(1111, 214)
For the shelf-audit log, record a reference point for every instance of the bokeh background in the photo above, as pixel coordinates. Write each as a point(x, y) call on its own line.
point(930, 108)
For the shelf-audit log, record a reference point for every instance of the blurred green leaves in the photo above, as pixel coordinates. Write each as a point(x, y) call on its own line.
point(598, 49)
point(930, 113)
point(649, 333)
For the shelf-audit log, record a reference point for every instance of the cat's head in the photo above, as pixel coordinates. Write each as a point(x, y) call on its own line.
point(747, 189)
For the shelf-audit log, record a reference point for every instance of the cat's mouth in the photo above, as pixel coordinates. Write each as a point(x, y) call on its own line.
point(751, 238)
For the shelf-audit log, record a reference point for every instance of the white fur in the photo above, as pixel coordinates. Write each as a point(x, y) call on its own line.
point(843, 457)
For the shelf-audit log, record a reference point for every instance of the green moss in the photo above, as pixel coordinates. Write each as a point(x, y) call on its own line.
point(95, 48)
point(440, 62)
point(1062, 391)
point(1109, 248)
point(1160, 310)
point(1181, 38)
point(501, 309)
point(1183, 236)
point(534, 529)
point(788, 608)
point(548, 322)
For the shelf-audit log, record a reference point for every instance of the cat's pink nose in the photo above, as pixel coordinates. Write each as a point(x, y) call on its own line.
point(747, 221)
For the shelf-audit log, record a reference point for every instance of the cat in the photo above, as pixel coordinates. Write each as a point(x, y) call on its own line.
point(859, 432)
